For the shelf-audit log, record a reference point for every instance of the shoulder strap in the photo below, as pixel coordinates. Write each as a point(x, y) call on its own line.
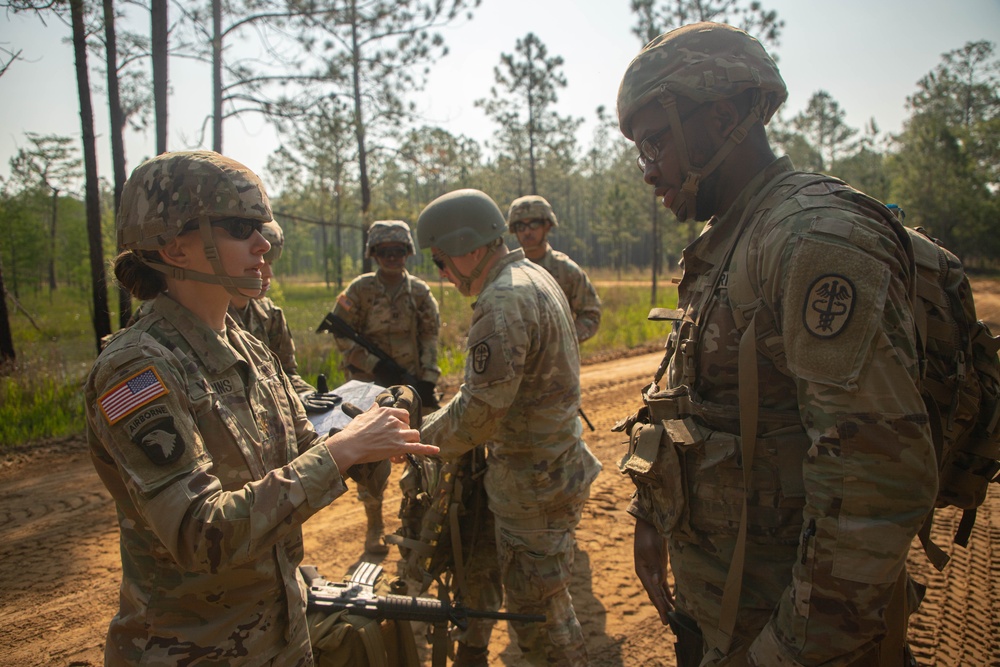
point(743, 285)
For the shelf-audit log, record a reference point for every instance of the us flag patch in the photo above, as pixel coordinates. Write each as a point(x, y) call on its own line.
point(131, 394)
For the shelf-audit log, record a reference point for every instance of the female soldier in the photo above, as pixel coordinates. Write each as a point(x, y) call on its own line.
point(200, 438)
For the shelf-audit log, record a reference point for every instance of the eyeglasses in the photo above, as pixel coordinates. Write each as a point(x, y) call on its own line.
point(238, 228)
point(394, 252)
point(438, 262)
point(519, 227)
point(649, 148)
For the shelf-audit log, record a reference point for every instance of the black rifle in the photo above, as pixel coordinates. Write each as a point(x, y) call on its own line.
point(390, 372)
point(357, 596)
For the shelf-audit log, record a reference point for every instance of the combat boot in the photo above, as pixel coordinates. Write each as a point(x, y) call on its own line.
point(471, 656)
point(373, 536)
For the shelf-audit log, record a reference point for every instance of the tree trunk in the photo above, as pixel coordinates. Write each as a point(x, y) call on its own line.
point(217, 76)
point(102, 318)
point(118, 130)
point(656, 253)
point(52, 241)
point(158, 34)
point(359, 129)
point(6, 338)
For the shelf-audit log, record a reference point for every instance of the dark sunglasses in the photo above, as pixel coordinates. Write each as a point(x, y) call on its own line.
point(390, 253)
point(238, 228)
point(438, 262)
point(519, 227)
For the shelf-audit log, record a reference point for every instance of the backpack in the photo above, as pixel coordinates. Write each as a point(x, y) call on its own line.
point(959, 382)
point(959, 367)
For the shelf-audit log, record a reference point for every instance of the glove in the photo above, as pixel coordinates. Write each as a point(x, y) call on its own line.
point(425, 389)
point(404, 397)
point(315, 402)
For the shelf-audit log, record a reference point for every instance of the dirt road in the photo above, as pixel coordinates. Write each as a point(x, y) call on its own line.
point(60, 568)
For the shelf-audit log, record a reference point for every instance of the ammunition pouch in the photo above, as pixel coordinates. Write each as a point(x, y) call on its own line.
point(674, 439)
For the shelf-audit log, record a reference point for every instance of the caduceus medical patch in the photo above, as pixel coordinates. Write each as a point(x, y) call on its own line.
point(828, 305)
point(480, 357)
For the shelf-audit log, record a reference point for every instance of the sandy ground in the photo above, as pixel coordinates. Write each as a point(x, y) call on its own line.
point(60, 568)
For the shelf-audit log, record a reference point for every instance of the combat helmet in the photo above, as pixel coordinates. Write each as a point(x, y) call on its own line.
point(703, 62)
point(389, 231)
point(530, 207)
point(276, 237)
point(457, 223)
point(167, 192)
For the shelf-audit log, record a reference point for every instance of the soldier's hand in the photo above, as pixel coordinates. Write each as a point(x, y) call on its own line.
point(650, 553)
point(404, 397)
point(377, 434)
point(315, 402)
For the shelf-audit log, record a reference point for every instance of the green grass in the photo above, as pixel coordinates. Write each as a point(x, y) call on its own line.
point(41, 396)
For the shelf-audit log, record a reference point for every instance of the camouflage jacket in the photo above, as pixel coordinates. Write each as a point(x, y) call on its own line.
point(404, 323)
point(213, 466)
point(265, 321)
point(584, 303)
point(845, 468)
point(520, 395)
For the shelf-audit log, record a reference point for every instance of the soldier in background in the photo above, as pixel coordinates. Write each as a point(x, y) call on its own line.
point(520, 397)
point(200, 438)
point(265, 321)
point(793, 354)
point(397, 312)
point(531, 218)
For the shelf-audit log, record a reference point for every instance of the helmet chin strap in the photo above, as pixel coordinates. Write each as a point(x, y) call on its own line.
point(685, 201)
point(465, 282)
point(233, 284)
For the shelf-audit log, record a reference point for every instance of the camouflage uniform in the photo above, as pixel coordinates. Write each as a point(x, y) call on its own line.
point(844, 470)
point(403, 322)
point(584, 303)
point(520, 397)
point(213, 468)
point(583, 300)
point(265, 321)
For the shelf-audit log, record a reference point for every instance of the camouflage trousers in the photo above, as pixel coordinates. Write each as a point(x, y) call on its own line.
point(482, 588)
point(536, 564)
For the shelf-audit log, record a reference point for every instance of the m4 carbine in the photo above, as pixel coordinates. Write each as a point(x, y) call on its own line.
point(388, 372)
point(358, 596)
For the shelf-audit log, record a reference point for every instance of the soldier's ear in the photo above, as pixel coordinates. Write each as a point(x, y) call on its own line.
point(179, 251)
point(723, 117)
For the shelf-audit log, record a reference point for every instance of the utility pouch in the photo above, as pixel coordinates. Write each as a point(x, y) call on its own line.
point(656, 462)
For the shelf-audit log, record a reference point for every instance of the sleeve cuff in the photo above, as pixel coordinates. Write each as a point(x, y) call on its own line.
point(319, 476)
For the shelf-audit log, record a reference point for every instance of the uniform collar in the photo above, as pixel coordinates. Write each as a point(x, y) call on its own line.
point(215, 353)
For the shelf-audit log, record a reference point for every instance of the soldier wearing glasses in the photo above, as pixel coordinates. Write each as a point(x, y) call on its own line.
point(398, 313)
point(531, 218)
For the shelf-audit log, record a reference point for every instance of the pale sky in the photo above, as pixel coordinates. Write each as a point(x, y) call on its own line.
point(868, 54)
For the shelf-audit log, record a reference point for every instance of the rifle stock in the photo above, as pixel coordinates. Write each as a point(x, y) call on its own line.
point(357, 596)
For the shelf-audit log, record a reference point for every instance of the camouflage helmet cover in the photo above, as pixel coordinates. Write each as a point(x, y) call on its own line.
point(459, 222)
point(166, 192)
point(276, 237)
point(389, 231)
point(703, 62)
point(530, 207)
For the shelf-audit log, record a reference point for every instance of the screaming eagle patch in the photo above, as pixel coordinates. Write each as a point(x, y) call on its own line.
point(828, 305)
point(160, 441)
